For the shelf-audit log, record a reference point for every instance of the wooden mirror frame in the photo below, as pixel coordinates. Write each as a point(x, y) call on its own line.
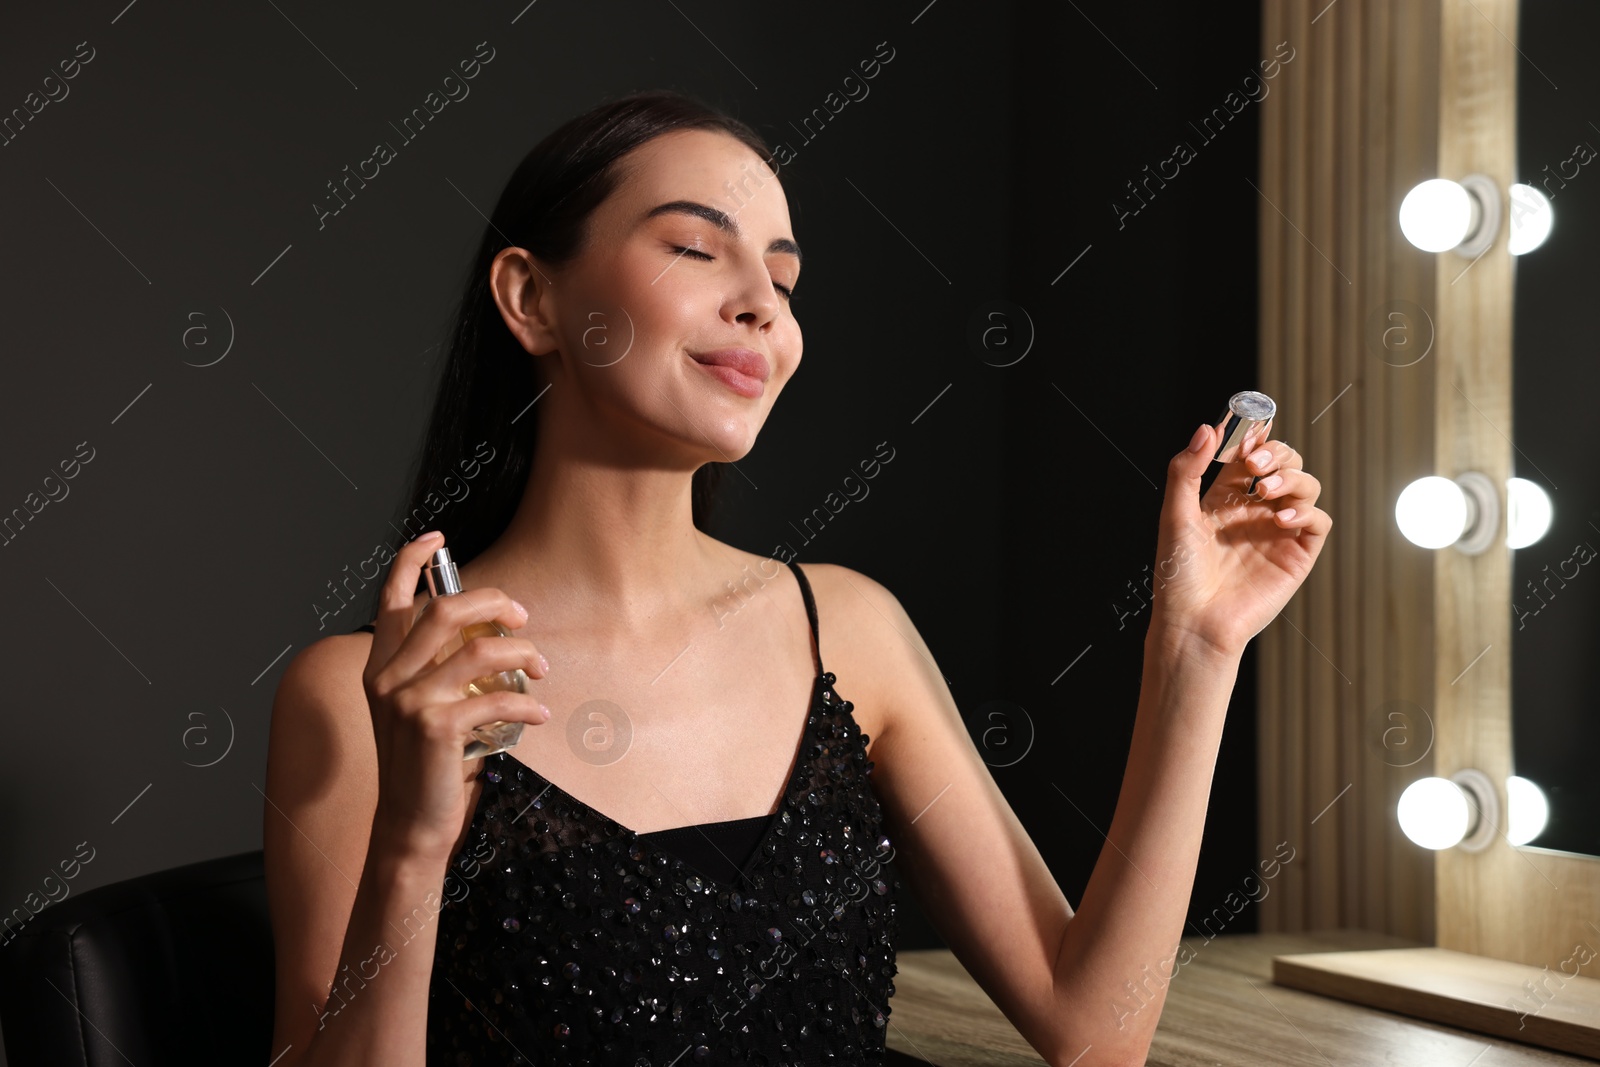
point(1381, 96)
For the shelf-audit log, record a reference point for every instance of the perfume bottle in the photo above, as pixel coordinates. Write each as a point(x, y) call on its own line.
point(445, 580)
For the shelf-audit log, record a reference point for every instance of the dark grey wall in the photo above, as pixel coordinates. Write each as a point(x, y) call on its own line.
point(163, 213)
point(1146, 313)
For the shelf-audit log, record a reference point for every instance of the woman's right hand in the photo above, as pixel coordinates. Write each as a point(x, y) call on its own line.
point(422, 718)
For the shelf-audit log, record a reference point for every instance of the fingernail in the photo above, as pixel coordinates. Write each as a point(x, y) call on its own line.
point(1260, 458)
point(545, 710)
point(520, 609)
point(1286, 514)
point(1198, 441)
point(544, 664)
point(429, 536)
point(1272, 482)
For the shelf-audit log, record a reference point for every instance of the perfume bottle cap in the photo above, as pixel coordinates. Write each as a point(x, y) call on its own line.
point(443, 578)
point(1249, 418)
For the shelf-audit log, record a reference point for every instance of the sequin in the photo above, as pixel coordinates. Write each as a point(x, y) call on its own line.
point(583, 945)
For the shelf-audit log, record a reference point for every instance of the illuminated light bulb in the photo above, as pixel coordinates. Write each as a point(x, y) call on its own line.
point(1431, 512)
point(1437, 215)
point(1528, 512)
point(1434, 813)
point(1527, 810)
point(1531, 218)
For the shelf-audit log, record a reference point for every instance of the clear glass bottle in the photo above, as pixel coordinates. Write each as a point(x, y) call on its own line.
point(444, 580)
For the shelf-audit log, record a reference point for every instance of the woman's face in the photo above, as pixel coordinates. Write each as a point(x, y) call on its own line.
point(627, 326)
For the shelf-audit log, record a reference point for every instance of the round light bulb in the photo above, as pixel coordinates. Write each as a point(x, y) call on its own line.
point(1436, 215)
point(1531, 218)
point(1431, 512)
point(1433, 813)
point(1528, 512)
point(1527, 810)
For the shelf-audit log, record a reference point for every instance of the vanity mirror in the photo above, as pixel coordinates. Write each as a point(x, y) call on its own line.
point(1392, 345)
point(1555, 614)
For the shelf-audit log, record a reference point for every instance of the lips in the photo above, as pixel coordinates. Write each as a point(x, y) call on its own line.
point(746, 361)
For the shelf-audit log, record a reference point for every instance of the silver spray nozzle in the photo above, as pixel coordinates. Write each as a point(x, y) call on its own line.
point(443, 578)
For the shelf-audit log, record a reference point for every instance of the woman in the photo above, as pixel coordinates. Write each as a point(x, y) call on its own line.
point(728, 894)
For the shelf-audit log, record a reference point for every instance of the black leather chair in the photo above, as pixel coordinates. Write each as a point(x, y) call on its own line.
point(171, 968)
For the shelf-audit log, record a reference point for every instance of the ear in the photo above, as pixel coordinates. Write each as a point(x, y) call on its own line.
point(521, 289)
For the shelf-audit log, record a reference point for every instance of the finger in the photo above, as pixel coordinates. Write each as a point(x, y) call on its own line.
point(1255, 440)
point(1181, 504)
point(469, 713)
point(1279, 457)
point(1311, 525)
point(476, 658)
point(396, 601)
point(1294, 488)
point(445, 616)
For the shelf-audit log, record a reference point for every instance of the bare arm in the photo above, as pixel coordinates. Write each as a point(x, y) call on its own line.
point(367, 798)
point(1062, 977)
point(1058, 976)
point(348, 907)
point(1226, 566)
point(1116, 958)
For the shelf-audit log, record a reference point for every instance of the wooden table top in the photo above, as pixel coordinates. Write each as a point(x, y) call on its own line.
point(1222, 1010)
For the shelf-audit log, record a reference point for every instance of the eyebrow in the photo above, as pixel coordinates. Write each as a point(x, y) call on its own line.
point(722, 221)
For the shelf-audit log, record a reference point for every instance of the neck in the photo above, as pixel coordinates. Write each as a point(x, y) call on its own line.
point(596, 536)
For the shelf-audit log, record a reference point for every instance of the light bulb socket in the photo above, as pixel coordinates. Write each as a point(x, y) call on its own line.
point(1484, 195)
point(1483, 513)
point(1484, 802)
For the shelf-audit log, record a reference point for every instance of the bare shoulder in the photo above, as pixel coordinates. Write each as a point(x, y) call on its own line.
point(320, 718)
point(855, 605)
point(325, 672)
point(320, 743)
point(867, 640)
point(332, 653)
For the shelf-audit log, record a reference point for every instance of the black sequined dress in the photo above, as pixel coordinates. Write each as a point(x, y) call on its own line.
point(567, 938)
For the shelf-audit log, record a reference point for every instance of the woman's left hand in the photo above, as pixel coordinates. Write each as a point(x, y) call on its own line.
point(1228, 563)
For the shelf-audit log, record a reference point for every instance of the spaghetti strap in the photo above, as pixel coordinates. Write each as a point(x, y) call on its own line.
point(811, 612)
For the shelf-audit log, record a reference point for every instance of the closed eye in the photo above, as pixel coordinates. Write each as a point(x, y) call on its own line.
point(788, 293)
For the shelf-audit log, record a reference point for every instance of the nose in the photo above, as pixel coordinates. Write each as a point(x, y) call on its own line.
point(755, 302)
